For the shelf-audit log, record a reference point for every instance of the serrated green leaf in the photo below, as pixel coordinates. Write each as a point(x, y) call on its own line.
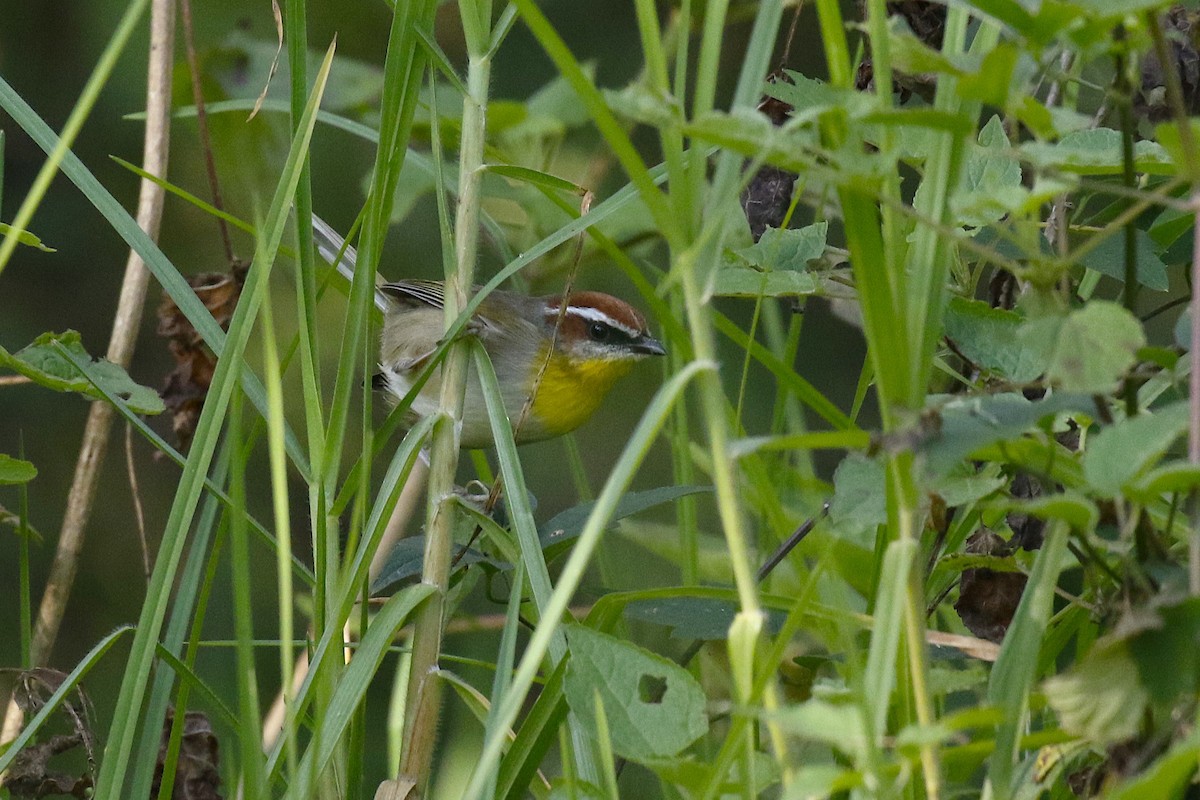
point(970, 424)
point(1120, 452)
point(1090, 349)
point(993, 185)
point(45, 365)
point(654, 707)
point(1101, 697)
point(748, 282)
point(787, 248)
point(989, 337)
point(1096, 152)
point(14, 470)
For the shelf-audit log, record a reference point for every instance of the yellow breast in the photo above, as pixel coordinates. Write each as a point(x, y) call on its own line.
point(572, 390)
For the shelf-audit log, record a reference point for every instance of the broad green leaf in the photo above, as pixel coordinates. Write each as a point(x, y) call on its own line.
point(1179, 476)
point(747, 282)
point(1108, 258)
point(654, 707)
point(42, 363)
point(809, 97)
point(992, 83)
point(1119, 453)
point(241, 65)
point(638, 103)
point(1090, 349)
point(26, 238)
point(820, 780)
point(970, 424)
point(1168, 136)
point(704, 618)
point(788, 248)
point(1165, 633)
point(966, 485)
point(839, 726)
point(1096, 152)
point(989, 337)
point(1074, 509)
point(1101, 697)
point(566, 525)
point(859, 493)
point(14, 470)
point(408, 556)
point(993, 183)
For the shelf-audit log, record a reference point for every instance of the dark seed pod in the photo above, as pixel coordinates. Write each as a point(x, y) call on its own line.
point(766, 199)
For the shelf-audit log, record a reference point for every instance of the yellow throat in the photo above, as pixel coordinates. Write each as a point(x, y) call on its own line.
point(572, 389)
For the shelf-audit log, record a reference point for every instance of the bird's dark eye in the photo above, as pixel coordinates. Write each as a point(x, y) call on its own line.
point(598, 331)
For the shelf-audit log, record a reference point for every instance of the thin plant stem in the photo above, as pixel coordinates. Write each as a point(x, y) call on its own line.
point(424, 690)
point(121, 345)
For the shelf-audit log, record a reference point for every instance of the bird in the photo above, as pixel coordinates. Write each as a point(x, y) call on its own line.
point(580, 347)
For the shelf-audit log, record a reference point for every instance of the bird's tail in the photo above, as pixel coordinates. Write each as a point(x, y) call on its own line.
point(331, 244)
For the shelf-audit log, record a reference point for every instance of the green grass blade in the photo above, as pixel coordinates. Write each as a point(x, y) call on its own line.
point(353, 684)
point(79, 114)
point(506, 708)
point(56, 699)
point(118, 749)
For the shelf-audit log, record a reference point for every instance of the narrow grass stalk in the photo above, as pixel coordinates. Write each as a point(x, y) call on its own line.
point(249, 724)
point(69, 684)
point(424, 692)
point(118, 749)
point(352, 686)
point(74, 124)
point(280, 505)
point(125, 322)
point(507, 707)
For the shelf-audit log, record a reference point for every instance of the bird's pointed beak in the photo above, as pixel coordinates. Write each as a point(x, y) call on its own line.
point(648, 346)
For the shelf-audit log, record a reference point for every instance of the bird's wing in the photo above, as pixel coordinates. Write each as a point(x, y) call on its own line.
point(429, 293)
point(329, 244)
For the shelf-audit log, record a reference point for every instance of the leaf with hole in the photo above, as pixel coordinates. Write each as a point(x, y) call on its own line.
point(654, 707)
point(44, 364)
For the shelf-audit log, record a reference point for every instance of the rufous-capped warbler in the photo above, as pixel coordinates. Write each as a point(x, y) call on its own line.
point(581, 352)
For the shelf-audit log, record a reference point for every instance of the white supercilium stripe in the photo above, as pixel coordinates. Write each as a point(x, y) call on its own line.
point(595, 315)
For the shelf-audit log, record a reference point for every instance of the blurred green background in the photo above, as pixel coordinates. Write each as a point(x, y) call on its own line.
point(47, 51)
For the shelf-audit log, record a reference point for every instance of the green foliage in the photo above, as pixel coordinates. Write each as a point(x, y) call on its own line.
point(999, 601)
point(15, 470)
point(59, 361)
point(653, 707)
